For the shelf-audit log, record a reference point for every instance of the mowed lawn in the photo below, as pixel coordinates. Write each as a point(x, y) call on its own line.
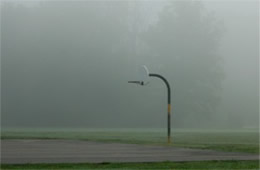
point(153, 165)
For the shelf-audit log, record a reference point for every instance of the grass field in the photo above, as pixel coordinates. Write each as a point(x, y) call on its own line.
point(242, 140)
point(158, 165)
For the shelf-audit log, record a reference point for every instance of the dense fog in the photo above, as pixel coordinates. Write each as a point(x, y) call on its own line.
point(67, 63)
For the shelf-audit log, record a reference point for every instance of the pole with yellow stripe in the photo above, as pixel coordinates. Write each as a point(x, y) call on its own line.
point(169, 123)
point(169, 104)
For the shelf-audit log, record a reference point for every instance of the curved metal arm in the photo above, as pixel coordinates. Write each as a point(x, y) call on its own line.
point(167, 84)
point(169, 102)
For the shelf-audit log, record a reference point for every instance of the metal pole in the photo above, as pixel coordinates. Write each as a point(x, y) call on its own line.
point(169, 104)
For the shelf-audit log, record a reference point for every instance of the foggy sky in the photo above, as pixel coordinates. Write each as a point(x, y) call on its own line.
point(66, 64)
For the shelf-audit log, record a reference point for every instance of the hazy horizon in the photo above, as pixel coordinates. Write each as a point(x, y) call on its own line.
point(66, 64)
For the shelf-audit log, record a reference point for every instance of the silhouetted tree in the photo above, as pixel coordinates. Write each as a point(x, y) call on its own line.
point(184, 41)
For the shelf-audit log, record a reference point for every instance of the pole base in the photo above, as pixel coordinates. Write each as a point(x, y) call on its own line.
point(169, 140)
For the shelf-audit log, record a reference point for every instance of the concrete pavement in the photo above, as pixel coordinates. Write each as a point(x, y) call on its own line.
point(76, 151)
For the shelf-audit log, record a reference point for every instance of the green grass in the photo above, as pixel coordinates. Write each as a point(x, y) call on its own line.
point(158, 165)
point(242, 140)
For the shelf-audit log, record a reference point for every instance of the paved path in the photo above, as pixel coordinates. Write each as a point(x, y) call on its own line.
point(61, 151)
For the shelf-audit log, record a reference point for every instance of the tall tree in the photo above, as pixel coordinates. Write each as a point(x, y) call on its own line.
point(184, 41)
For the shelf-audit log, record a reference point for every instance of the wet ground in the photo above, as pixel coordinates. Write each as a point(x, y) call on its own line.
point(76, 151)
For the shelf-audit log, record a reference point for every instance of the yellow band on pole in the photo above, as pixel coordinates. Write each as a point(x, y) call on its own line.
point(169, 108)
